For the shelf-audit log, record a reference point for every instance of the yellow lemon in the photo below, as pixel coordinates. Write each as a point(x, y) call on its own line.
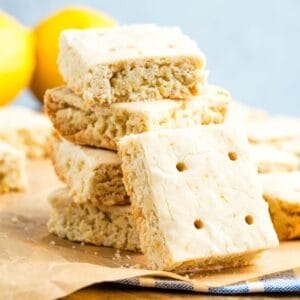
point(47, 33)
point(16, 57)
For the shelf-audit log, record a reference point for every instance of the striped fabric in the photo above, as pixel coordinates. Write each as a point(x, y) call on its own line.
point(283, 282)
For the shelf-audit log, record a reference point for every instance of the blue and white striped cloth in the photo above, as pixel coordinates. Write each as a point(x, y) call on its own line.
point(283, 282)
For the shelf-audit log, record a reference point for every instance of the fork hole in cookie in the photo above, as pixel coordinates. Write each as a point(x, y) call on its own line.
point(249, 219)
point(232, 155)
point(181, 166)
point(198, 224)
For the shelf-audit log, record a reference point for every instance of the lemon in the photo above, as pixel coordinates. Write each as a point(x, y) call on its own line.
point(16, 57)
point(47, 33)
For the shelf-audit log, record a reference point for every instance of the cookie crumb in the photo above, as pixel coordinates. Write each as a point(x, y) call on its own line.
point(117, 255)
point(15, 219)
point(52, 243)
point(136, 266)
point(82, 243)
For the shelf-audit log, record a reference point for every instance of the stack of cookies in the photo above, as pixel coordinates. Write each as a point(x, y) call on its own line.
point(12, 169)
point(275, 146)
point(279, 137)
point(141, 171)
point(24, 134)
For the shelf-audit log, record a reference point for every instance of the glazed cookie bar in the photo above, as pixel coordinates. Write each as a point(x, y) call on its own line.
point(12, 169)
point(282, 192)
point(102, 126)
point(195, 192)
point(271, 159)
point(292, 146)
point(111, 226)
point(273, 129)
point(131, 63)
point(239, 112)
point(26, 130)
point(92, 175)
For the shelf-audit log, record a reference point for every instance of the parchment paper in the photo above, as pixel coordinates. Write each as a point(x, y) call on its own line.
point(37, 265)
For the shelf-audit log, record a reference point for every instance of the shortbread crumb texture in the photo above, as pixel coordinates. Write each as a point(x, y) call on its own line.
point(102, 126)
point(26, 130)
point(110, 226)
point(131, 63)
point(12, 169)
point(195, 192)
point(282, 192)
point(92, 175)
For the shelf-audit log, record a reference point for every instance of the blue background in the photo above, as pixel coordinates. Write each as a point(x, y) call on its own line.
point(252, 47)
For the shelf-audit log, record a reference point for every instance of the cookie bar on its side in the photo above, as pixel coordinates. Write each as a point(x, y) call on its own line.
point(131, 63)
point(12, 169)
point(239, 112)
point(273, 129)
point(197, 198)
point(271, 159)
point(292, 146)
point(101, 126)
point(92, 175)
point(112, 226)
point(26, 130)
point(282, 192)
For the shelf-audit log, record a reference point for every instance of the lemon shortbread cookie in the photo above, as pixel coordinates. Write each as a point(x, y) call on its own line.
point(26, 130)
point(131, 63)
point(12, 169)
point(292, 146)
point(273, 129)
point(92, 175)
point(196, 197)
point(271, 159)
point(111, 226)
point(242, 113)
point(101, 126)
point(282, 192)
